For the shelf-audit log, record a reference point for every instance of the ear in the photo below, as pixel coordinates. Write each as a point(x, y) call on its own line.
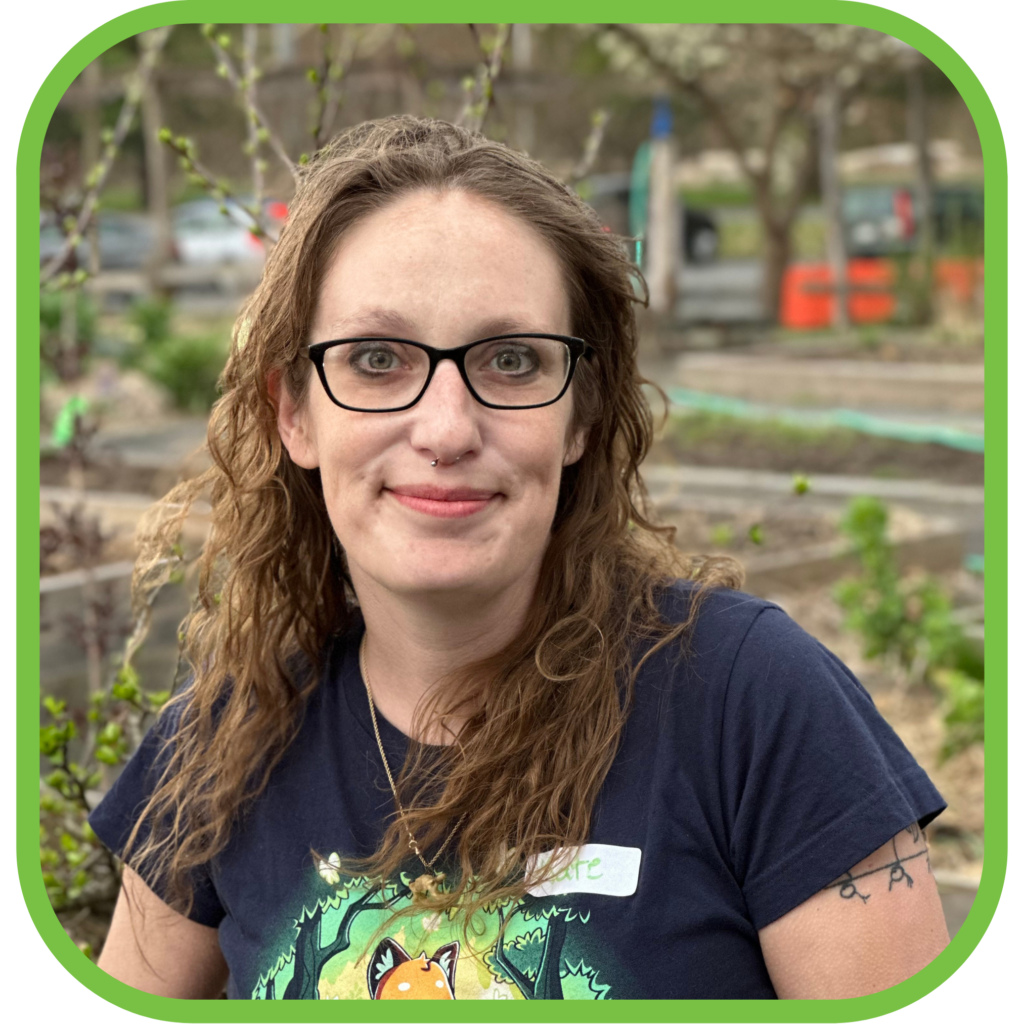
point(446, 958)
point(576, 446)
point(293, 424)
point(386, 957)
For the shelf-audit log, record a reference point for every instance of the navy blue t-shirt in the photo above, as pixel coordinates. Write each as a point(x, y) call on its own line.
point(751, 774)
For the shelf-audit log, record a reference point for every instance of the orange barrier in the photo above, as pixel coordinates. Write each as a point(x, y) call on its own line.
point(960, 277)
point(807, 299)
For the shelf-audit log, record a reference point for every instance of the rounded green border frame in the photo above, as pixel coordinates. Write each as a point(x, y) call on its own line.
point(996, 519)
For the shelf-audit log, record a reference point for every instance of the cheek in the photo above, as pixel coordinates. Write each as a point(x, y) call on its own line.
point(540, 452)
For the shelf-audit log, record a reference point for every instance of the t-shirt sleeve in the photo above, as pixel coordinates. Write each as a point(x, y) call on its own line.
point(814, 778)
point(115, 816)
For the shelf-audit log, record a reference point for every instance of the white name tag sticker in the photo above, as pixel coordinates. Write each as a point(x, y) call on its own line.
point(596, 868)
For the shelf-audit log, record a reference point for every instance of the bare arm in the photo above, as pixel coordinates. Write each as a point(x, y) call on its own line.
point(157, 950)
point(870, 929)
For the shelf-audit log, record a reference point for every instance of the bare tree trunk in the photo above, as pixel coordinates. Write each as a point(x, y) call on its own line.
point(828, 147)
point(664, 229)
point(917, 131)
point(158, 200)
point(777, 251)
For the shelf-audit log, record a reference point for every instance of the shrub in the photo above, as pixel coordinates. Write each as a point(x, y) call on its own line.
point(909, 621)
point(188, 368)
point(56, 357)
point(153, 318)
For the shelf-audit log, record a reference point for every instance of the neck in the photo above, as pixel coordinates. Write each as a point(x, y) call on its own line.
point(414, 642)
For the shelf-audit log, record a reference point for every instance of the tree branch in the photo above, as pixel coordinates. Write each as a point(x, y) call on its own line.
point(598, 122)
point(521, 981)
point(249, 36)
point(152, 43)
point(696, 89)
point(226, 66)
point(480, 95)
point(217, 189)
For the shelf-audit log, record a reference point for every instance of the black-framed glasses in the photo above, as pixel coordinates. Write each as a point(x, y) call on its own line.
point(508, 371)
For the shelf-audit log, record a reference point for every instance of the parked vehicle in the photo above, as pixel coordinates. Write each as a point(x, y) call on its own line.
point(201, 235)
point(608, 194)
point(884, 220)
point(125, 240)
point(205, 235)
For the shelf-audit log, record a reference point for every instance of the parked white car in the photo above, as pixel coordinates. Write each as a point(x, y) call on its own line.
point(204, 235)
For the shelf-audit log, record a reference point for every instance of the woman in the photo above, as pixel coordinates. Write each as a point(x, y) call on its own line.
point(462, 722)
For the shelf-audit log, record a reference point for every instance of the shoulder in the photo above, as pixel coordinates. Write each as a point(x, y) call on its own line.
point(720, 622)
point(751, 648)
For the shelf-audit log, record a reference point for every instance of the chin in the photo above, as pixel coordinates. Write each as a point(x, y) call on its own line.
point(445, 574)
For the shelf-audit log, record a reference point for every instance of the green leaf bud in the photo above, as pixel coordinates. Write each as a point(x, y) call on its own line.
point(111, 733)
point(107, 755)
point(54, 706)
point(50, 740)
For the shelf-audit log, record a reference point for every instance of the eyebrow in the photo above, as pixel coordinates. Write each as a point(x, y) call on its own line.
point(389, 321)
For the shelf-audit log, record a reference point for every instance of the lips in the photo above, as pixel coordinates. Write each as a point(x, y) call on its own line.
point(443, 502)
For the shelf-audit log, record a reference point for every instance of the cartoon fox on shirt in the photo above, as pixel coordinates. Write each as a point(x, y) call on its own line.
point(393, 974)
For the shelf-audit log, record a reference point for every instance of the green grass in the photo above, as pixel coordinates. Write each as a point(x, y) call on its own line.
point(716, 195)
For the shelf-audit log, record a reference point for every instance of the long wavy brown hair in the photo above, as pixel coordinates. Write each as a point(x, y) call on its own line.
point(546, 712)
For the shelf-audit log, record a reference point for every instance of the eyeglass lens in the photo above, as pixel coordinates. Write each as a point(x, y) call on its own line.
point(384, 374)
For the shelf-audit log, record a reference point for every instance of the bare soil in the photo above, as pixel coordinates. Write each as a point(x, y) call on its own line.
point(740, 444)
point(110, 475)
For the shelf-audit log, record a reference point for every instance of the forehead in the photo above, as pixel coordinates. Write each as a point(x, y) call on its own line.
point(449, 263)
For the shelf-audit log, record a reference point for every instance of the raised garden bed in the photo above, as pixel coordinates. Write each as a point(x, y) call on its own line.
point(711, 439)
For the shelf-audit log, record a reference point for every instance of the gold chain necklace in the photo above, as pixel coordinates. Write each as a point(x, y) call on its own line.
point(427, 883)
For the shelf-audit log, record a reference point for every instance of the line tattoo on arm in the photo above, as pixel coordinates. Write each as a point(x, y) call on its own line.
point(896, 867)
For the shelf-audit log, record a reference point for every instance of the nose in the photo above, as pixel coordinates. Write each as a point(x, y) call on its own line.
point(446, 419)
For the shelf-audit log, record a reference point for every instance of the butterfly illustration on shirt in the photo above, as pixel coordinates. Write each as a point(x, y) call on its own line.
point(393, 974)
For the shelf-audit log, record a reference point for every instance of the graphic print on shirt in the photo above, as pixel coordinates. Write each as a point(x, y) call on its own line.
point(537, 947)
point(393, 974)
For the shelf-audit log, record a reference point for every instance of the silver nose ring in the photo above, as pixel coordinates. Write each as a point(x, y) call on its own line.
point(434, 463)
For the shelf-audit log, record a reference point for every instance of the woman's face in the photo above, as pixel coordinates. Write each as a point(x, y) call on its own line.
point(442, 269)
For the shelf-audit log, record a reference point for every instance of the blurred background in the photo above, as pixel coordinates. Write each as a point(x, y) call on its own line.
point(806, 203)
